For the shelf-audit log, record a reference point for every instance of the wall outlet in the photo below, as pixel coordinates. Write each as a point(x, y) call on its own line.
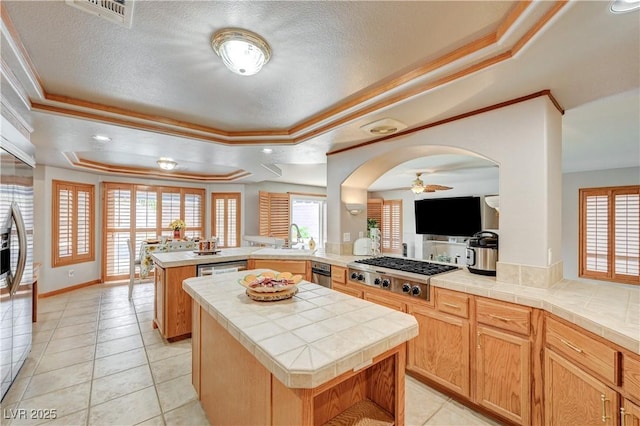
point(71, 272)
point(346, 237)
point(360, 234)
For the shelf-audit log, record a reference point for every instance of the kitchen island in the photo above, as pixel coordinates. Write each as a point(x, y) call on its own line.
point(312, 359)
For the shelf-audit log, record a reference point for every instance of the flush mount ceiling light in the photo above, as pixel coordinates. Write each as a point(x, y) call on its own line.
point(418, 186)
point(167, 163)
point(101, 138)
point(386, 126)
point(623, 6)
point(242, 51)
point(267, 150)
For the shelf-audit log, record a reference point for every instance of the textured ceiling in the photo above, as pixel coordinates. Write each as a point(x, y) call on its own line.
point(157, 88)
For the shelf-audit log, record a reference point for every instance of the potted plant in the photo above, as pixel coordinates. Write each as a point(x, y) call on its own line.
point(177, 225)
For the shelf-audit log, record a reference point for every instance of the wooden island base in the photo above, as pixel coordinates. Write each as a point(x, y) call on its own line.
point(235, 388)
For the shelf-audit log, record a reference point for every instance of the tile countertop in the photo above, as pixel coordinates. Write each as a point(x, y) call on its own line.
point(609, 310)
point(309, 339)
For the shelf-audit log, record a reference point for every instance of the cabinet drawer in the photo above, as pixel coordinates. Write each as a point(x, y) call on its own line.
point(582, 349)
point(452, 302)
point(504, 316)
point(347, 290)
point(293, 266)
point(338, 274)
point(631, 376)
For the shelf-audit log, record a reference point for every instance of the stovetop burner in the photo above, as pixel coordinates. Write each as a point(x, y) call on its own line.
point(407, 265)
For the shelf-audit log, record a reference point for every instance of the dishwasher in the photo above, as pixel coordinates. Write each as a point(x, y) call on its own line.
point(221, 267)
point(321, 274)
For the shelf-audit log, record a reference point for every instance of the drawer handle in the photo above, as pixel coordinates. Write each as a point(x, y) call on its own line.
point(500, 318)
point(604, 400)
point(623, 417)
point(572, 346)
point(451, 305)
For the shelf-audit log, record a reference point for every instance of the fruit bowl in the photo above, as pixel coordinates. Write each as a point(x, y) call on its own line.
point(270, 282)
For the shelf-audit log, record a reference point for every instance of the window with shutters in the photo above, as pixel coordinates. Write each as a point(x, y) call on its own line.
point(391, 226)
point(274, 210)
point(225, 218)
point(141, 212)
point(73, 223)
point(610, 234)
point(374, 210)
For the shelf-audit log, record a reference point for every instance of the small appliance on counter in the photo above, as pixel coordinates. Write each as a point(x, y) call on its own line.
point(482, 253)
point(362, 247)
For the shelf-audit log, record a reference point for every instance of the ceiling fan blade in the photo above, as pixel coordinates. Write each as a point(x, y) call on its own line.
point(433, 188)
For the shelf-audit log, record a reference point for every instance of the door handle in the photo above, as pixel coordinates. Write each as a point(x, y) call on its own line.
point(22, 247)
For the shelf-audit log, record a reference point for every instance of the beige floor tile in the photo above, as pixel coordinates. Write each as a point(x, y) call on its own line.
point(165, 349)
point(51, 305)
point(59, 379)
point(130, 409)
point(45, 325)
point(42, 336)
point(117, 322)
point(9, 412)
point(119, 384)
point(110, 305)
point(119, 362)
point(80, 319)
point(171, 368)
point(118, 332)
point(176, 392)
point(49, 316)
point(65, 401)
point(156, 421)
point(57, 360)
point(60, 345)
point(117, 313)
point(190, 414)
point(16, 391)
point(74, 330)
point(152, 337)
point(79, 311)
point(454, 414)
point(145, 307)
point(111, 347)
point(421, 402)
point(75, 419)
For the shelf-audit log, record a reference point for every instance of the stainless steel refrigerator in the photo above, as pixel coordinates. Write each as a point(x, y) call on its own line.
point(16, 259)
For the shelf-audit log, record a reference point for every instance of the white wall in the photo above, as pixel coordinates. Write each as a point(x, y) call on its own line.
point(571, 183)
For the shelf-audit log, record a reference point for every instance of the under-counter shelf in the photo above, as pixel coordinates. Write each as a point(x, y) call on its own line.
point(365, 412)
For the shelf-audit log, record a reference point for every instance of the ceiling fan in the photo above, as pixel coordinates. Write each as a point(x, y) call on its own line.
point(418, 186)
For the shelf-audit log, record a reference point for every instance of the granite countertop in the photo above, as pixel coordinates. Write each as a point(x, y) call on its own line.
point(609, 310)
point(309, 339)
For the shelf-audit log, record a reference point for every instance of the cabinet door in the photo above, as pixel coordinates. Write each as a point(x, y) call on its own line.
point(630, 414)
point(346, 290)
point(441, 351)
point(503, 366)
point(385, 301)
point(159, 299)
point(573, 397)
point(293, 266)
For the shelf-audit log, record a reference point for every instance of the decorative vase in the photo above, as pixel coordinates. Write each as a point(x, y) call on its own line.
point(176, 234)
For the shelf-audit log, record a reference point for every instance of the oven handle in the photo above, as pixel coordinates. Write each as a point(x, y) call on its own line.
point(14, 282)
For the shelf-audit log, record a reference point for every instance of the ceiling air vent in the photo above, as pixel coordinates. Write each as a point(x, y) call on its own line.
point(118, 11)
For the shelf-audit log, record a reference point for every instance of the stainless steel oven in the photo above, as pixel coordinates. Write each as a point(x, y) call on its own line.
point(321, 274)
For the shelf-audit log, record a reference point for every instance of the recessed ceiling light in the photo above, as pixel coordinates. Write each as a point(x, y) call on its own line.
point(267, 150)
point(383, 127)
point(623, 6)
point(243, 52)
point(167, 163)
point(101, 138)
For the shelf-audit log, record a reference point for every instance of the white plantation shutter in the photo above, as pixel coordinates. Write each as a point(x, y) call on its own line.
point(225, 218)
point(627, 234)
point(170, 205)
point(610, 234)
point(118, 208)
point(193, 209)
point(72, 223)
point(391, 227)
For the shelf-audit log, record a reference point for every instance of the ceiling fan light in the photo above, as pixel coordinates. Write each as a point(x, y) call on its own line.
point(167, 163)
point(623, 6)
point(417, 189)
point(243, 52)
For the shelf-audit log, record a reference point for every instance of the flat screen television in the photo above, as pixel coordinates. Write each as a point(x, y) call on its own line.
point(458, 217)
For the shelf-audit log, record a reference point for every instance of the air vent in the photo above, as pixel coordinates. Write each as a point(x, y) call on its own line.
point(118, 11)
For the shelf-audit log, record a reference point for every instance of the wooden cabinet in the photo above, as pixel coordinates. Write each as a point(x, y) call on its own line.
point(338, 275)
point(503, 373)
point(573, 397)
point(441, 351)
point(384, 300)
point(302, 267)
point(351, 291)
point(631, 376)
point(172, 306)
point(629, 414)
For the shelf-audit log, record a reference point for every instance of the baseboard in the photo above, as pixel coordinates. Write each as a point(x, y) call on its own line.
point(68, 289)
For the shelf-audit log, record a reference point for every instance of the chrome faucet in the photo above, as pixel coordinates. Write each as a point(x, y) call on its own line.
point(298, 234)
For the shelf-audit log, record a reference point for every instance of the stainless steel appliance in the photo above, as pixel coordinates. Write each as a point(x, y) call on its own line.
point(398, 275)
point(16, 257)
point(482, 253)
point(220, 267)
point(321, 273)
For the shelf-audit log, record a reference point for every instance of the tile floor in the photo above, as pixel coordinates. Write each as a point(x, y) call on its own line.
point(96, 360)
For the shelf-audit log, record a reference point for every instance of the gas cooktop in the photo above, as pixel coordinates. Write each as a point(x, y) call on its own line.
point(407, 265)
